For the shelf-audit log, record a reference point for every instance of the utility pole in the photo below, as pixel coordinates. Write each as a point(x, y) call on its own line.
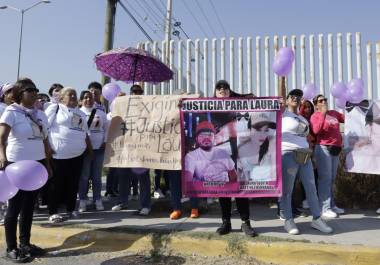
point(109, 31)
point(168, 28)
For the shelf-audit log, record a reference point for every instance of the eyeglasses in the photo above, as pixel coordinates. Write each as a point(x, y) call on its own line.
point(322, 100)
point(30, 90)
point(293, 97)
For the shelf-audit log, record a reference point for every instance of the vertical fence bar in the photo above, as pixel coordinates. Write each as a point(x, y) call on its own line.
point(266, 65)
point(232, 63)
point(240, 64)
point(249, 64)
point(258, 66)
point(330, 58)
point(369, 70)
point(358, 48)
point(180, 64)
point(275, 77)
point(311, 56)
point(197, 68)
point(171, 65)
point(223, 58)
point(339, 54)
point(349, 55)
point(188, 66)
point(154, 51)
point(146, 86)
point(284, 44)
point(214, 62)
point(205, 67)
point(294, 68)
point(378, 69)
point(321, 69)
point(163, 59)
point(303, 65)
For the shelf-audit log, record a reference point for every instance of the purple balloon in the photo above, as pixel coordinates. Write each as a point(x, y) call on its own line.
point(309, 91)
point(139, 170)
point(285, 53)
point(27, 174)
point(110, 91)
point(340, 102)
point(338, 90)
point(7, 190)
point(283, 61)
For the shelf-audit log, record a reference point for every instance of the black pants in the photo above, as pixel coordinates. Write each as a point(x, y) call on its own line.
point(20, 205)
point(242, 205)
point(64, 184)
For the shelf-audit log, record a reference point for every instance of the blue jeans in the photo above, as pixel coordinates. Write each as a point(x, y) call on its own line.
point(145, 198)
point(175, 182)
point(327, 166)
point(92, 167)
point(112, 181)
point(290, 168)
point(124, 178)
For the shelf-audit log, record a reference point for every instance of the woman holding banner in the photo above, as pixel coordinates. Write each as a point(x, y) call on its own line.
point(296, 159)
point(222, 90)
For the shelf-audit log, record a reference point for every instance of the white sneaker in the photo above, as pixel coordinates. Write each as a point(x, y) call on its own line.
point(305, 204)
point(82, 206)
point(99, 205)
point(320, 225)
point(329, 214)
point(338, 210)
point(119, 207)
point(74, 215)
point(185, 200)
point(158, 194)
point(144, 211)
point(378, 211)
point(291, 227)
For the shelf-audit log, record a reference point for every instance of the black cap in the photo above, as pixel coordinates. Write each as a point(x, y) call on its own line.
point(222, 83)
point(295, 92)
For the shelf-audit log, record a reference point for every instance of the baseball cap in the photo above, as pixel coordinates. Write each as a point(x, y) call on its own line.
point(205, 126)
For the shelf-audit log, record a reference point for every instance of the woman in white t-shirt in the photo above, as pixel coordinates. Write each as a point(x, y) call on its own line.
point(69, 141)
point(23, 136)
point(296, 159)
point(98, 125)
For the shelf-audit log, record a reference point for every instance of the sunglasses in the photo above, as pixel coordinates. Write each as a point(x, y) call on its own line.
point(298, 98)
point(222, 87)
point(30, 90)
point(137, 92)
point(322, 100)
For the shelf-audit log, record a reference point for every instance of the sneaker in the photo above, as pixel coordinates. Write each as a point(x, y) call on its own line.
point(135, 197)
point(320, 225)
point(82, 206)
point(158, 194)
point(16, 256)
point(281, 215)
point(73, 215)
point(119, 207)
point(247, 229)
point(194, 213)
point(183, 200)
point(176, 214)
point(291, 227)
point(338, 210)
point(329, 214)
point(32, 250)
point(144, 211)
point(378, 211)
point(1, 221)
point(225, 228)
point(110, 194)
point(305, 204)
point(299, 213)
point(55, 218)
point(99, 205)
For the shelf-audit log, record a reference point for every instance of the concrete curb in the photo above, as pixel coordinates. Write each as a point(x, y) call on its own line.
point(266, 249)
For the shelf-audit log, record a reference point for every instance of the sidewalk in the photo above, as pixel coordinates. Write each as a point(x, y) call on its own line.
point(356, 237)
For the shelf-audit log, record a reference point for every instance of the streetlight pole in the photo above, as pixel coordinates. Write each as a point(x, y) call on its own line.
point(22, 11)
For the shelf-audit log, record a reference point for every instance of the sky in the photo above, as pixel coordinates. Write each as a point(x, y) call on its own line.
point(61, 38)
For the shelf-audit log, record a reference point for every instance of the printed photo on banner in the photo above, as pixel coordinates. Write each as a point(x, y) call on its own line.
point(362, 137)
point(231, 147)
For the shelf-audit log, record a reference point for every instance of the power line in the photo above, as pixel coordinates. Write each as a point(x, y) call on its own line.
point(217, 16)
point(152, 15)
point(204, 15)
point(196, 20)
point(154, 12)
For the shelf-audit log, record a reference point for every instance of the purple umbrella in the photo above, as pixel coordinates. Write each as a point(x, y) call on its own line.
point(130, 65)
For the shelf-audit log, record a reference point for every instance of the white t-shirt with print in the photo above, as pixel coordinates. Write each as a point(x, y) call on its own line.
point(67, 132)
point(98, 127)
point(25, 141)
point(295, 129)
point(210, 165)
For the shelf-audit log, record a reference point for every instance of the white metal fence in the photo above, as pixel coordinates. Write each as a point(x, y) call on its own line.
point(321, 59)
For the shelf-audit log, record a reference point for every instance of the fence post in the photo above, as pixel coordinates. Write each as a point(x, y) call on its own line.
point(240, 64)
point(258, 67)
point(249, 64)
point(321, 69)
point(205, 67)
point(188, 66)
point(197, 66)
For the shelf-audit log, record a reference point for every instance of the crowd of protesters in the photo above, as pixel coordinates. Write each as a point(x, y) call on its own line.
point(68, 135)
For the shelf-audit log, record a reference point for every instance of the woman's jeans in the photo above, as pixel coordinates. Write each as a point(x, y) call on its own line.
point(290, 168)
point(175, 183)
point(92, 167)
point(327, 166)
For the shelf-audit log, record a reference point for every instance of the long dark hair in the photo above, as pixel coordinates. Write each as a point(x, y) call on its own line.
point(265, 145)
